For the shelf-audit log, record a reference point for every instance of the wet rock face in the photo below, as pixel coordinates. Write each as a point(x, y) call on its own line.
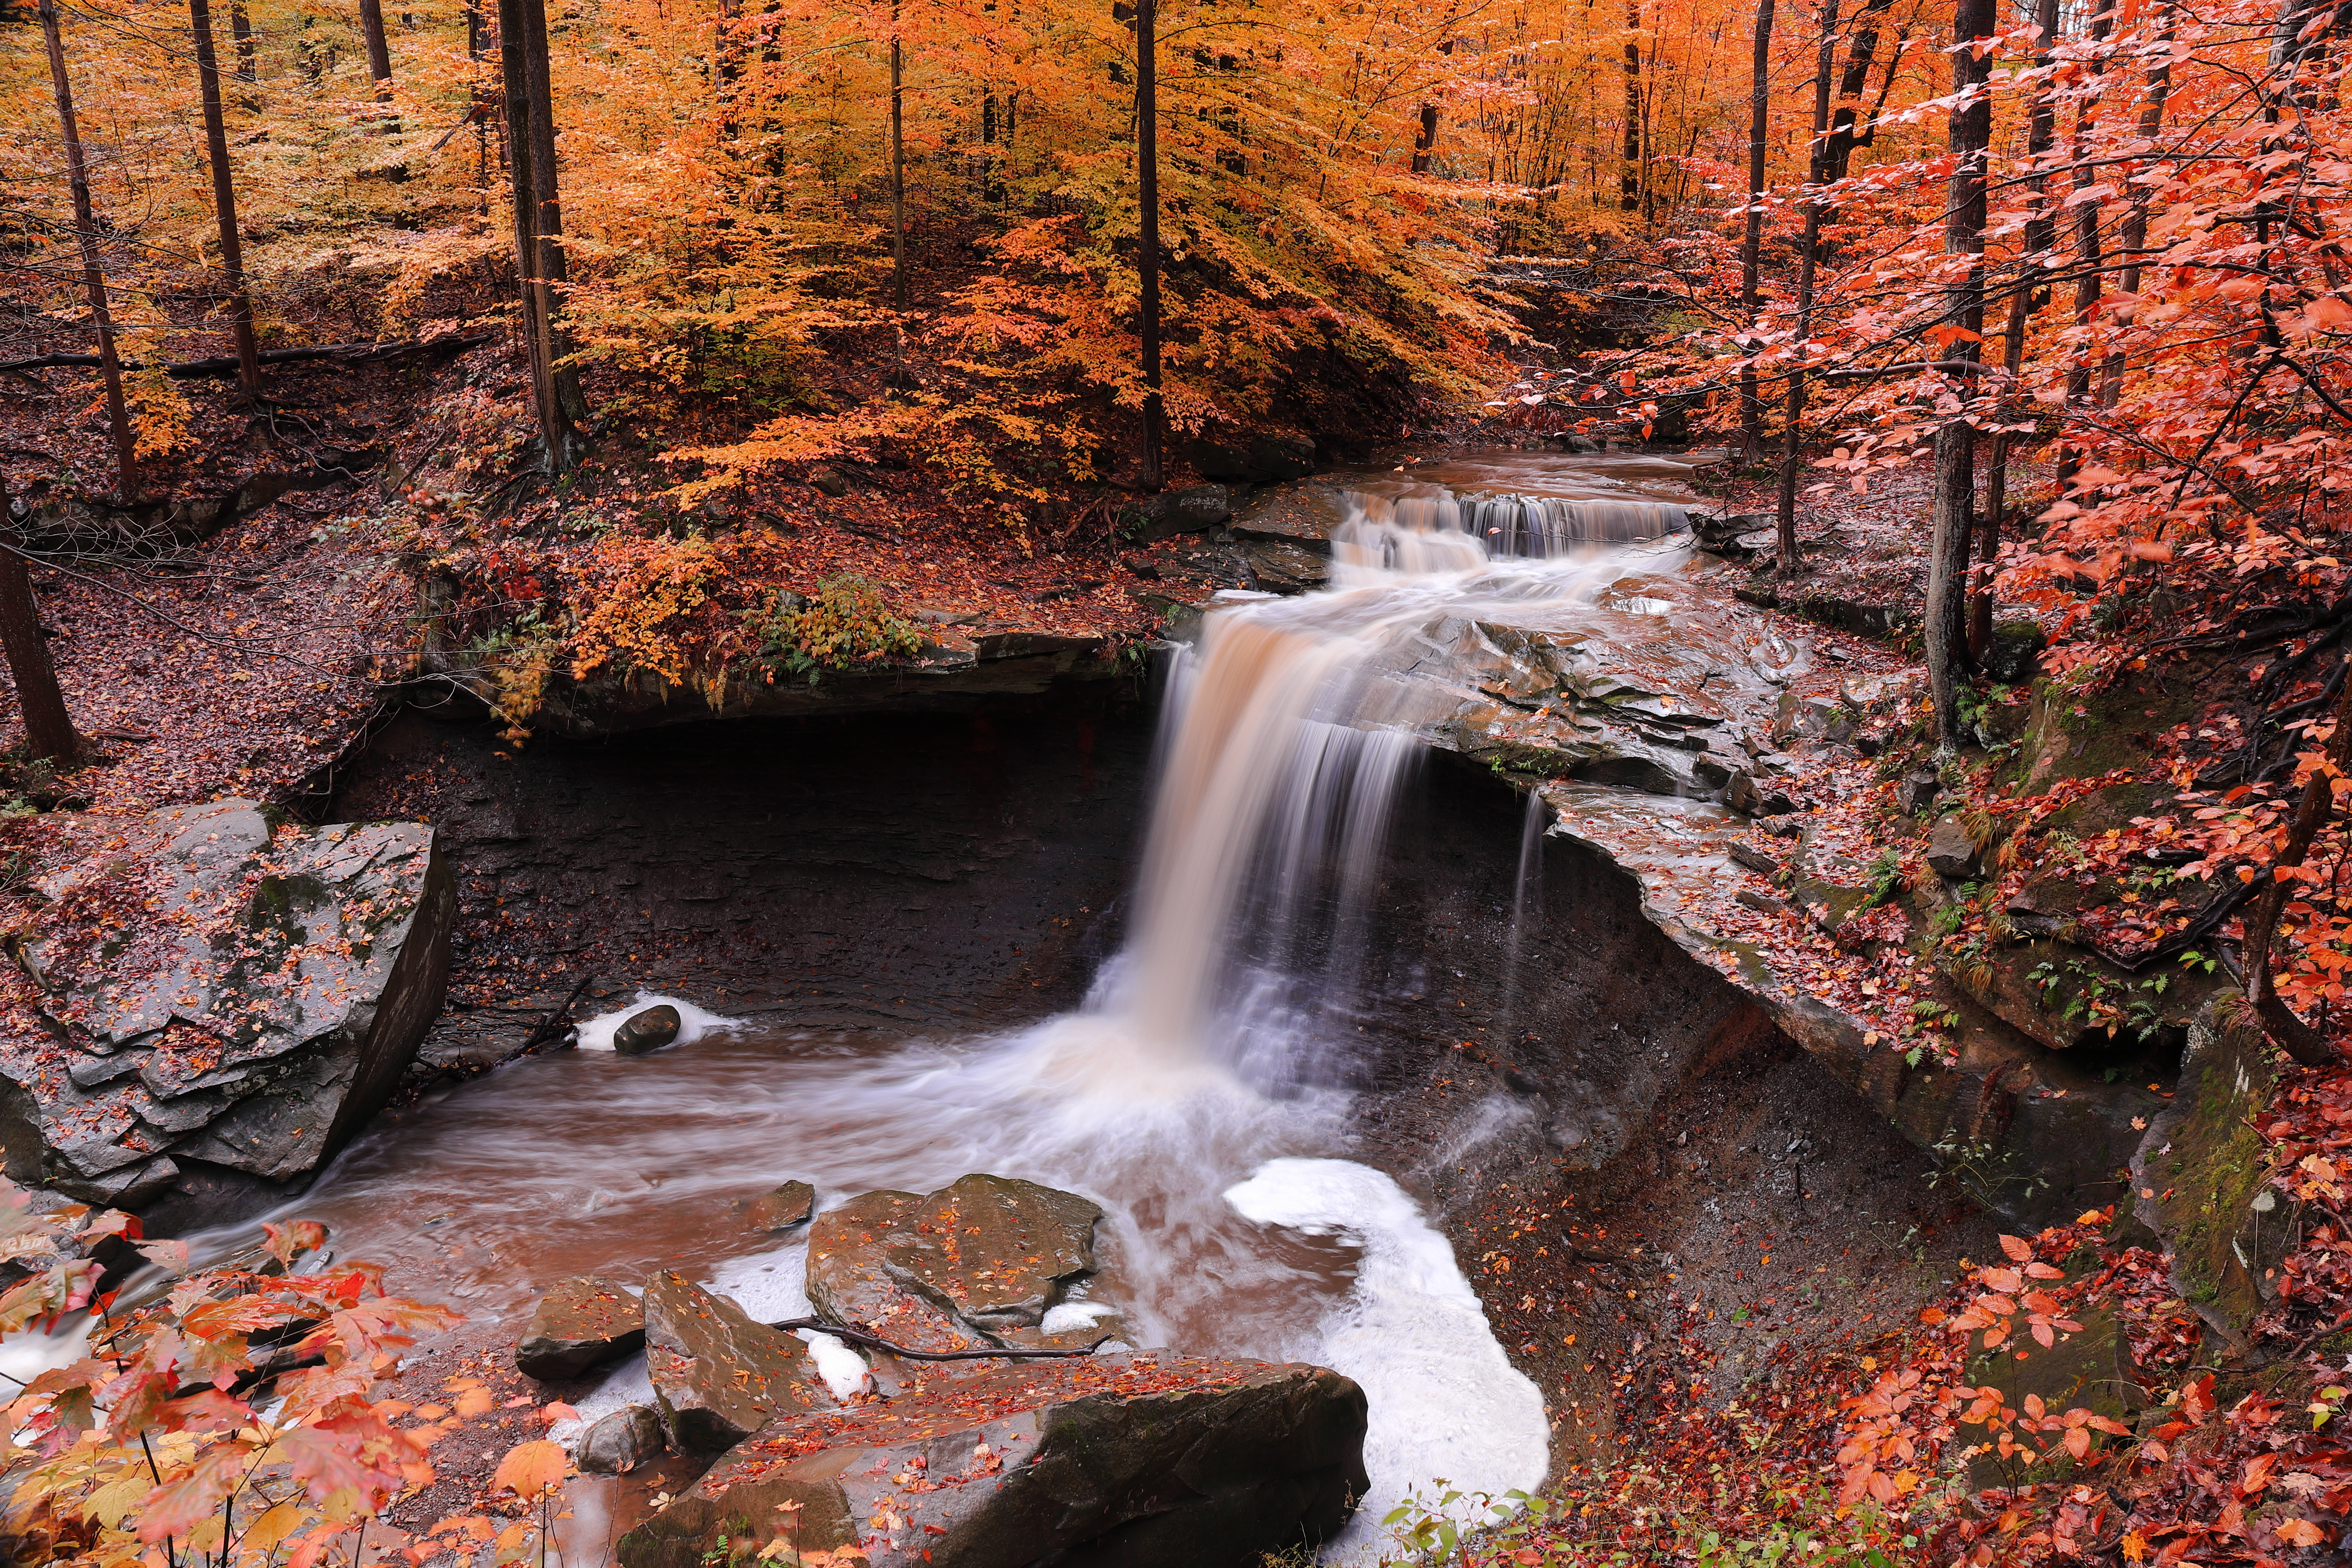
point(1148, 1460)
point(786, 1206)
point(647, 1031)
point(580, 1323)
point(215, 988)
point(622, 1441)
point(719, 1375)
point(978, 1263)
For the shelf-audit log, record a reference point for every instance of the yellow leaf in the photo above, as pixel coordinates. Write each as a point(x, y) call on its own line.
point(272, 1527)
point(2300, 1532)
point(530, 1468)
point(474, 1402)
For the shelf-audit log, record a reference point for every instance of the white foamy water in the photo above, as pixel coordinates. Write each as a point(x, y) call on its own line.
point(1451, 1408)
point(693, 1023)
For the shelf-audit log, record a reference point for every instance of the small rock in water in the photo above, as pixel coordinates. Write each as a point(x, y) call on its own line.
point(784, 1208)
point(718, 1375)
point(622, 1441)
point(581, 1322)
point(647, 1031)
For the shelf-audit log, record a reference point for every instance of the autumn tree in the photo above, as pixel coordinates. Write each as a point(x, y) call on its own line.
point(118, 416)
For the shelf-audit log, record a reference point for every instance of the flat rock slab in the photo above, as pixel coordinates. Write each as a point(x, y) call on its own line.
point(1144, 1460)
point(581, 1322)
point(719, 1375)
point(980, 1262)
point(218, 985)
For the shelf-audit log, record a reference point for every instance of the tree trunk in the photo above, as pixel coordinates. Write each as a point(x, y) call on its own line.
point(118, 417)
point(1146, 159)
point(898, 169)
point(240, 28)
point(1846, 131)
point(379, 55)
point(1751, 239)
point(1629, 178)
point(547, 223)
point(1956, 445)
point(1817, 164)
point(477, 37)
point(48, 729)
point(240, 303)
point(2086, 241)
point(2157, 89)
point(1426, 140)
point(554, 426)
point(2026, 296)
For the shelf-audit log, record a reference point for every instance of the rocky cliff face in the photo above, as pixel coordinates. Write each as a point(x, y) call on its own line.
point(211, 998)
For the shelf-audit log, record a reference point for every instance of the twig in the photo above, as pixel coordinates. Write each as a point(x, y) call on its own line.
point(225, 365)
point(547, 1024)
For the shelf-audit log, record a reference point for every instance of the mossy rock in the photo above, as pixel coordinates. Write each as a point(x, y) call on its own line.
point(2073, 735)
point(2201, 1175)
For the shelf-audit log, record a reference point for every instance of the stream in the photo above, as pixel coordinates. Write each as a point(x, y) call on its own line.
point(1201, 1094)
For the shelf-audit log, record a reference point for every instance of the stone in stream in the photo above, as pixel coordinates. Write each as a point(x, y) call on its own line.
point(782, 1209)
point(1149, 1461)
point(647, 1031)
point(216, 995)
point(719, 1375)
point(981, 1262)
point(581, 1322)
point(622, 1441)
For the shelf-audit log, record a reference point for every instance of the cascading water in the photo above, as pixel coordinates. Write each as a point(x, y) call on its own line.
point(1199, 1095)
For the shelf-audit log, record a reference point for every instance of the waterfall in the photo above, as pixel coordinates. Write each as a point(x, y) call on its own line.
point(1451, 531)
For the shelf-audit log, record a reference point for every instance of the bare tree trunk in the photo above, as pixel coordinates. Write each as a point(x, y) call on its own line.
point(48, 729)
point(1629, 178)
point(379, 55)
point(1425, 140)
point(898, 169)
point(2027, 297)
point(240, 28)
point(118, 417)
point(240, 303)
point(1956, 444)
point(1817, 165)
point(547, 223)
point(1147, 158)
point(1751, 239)
point(2086, 240)
point(477, 30)
point(554, 426)
point(1846, 129)
point(2157, 89)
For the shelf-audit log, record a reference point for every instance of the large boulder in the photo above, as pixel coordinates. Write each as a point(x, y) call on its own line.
point(718, 1375)
point(1149, 1461)
point(580, 1323)
point(986, 1262)
point(214, 987)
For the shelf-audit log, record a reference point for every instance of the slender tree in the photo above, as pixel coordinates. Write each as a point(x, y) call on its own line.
point(1807, 262)
point(379, 53)
point(109, 365)
point(1955, 438)
point(554, 422)
point(2085, 204)
point(2156, 88)
point(240, 28)
point(547, 221)
point(1629, 179)
point(1751, 239)
point(48, 729)
point(897, 166)
point(1147, 158)
point(240, 302)
point(2027, 295)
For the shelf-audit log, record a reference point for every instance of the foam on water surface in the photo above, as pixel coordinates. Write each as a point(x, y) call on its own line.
point(693, 1023)
point(1448, 1408)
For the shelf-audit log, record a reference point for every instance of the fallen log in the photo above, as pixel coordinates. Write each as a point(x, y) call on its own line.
point(225, 365)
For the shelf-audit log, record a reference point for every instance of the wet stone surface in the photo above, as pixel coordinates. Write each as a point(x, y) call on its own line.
point(719, 1375)
point(1142, 1461)
point(581, 1324)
